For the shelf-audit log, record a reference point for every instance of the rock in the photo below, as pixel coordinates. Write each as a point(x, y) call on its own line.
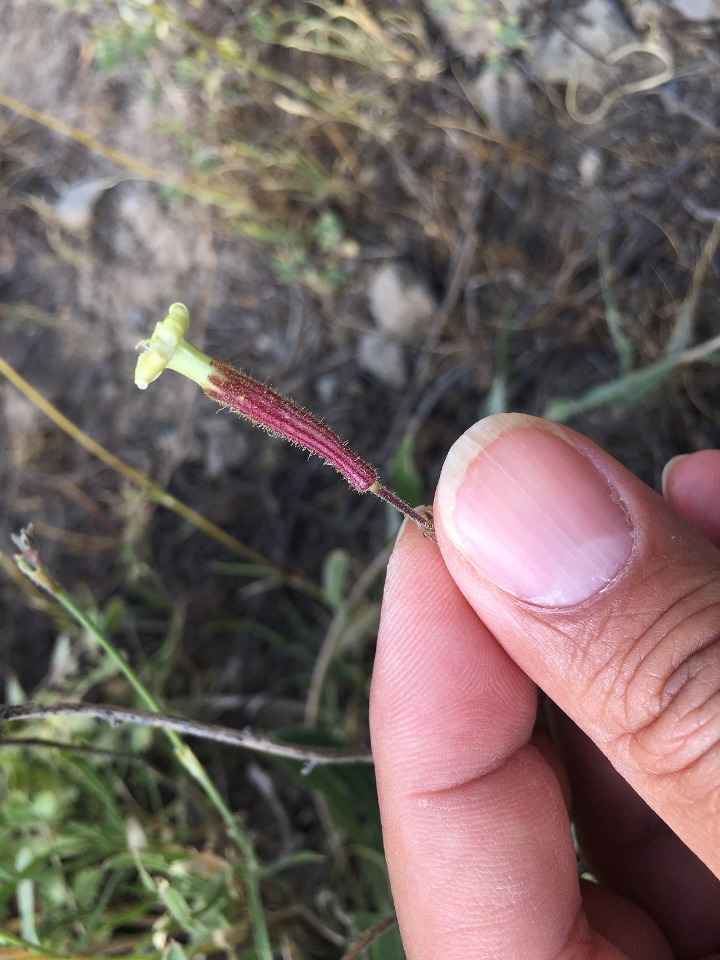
point(501, 93)
point(697, 9)
point(590, 166)
point(400, 302)
point(478, 28)
point(382, 359)
point(76, 202)
point(224, 446)
point(573, 50)
point(326, 387)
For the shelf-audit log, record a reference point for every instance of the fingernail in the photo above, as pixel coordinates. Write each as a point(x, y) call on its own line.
point(667, 470)
point(532, 512)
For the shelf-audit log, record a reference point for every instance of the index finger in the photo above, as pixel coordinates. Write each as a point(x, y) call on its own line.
point(476, 830)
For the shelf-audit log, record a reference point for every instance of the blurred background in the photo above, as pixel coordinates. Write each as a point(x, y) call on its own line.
point(403, 214)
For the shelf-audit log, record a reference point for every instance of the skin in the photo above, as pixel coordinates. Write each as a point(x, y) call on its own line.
point(476, 796)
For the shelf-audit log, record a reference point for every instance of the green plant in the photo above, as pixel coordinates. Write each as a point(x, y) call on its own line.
point(277, 145)
point(102, 840)
point(632, 385)
point(30, 563)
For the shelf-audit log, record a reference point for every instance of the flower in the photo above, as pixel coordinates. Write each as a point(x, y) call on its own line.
point(259, 403)
point(167, 347)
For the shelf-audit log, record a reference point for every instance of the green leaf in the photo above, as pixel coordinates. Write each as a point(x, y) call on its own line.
point(496, 400)
point(327, 231)
point(624, 391)
point(26, 898)
point(335, 574)
point(14, 693)
point(349, 789)
point(178, 907)
point(85, 886)
point(613, 317)
point(114, 614)
point(406, 479)
point(175, 952)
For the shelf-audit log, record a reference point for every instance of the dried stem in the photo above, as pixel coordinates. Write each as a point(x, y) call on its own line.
point(310, 757)
point(368, 937)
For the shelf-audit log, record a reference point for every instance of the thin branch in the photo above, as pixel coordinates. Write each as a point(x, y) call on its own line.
point(151, 489)
point(685, 320)
point(368, 937)
point(310, 756)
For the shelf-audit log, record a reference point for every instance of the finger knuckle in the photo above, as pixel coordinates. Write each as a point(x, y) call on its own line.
point(671, 691)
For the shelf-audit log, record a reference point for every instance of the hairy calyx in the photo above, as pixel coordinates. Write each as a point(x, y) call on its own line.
point(263, 406)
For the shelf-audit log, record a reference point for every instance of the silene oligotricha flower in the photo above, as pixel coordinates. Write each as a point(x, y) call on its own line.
point(263, 406)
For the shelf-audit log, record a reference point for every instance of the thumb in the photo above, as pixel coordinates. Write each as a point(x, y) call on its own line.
point(604, 596)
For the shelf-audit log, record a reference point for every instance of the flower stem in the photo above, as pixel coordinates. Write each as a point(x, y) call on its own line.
point(262, 405)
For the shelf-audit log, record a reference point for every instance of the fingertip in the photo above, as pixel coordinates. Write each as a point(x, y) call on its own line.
point(691, 483)
point(668, 469)
point(593, 583)
point(526, 505)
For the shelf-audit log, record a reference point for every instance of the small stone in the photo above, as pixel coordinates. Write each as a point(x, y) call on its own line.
point(400, 302)
point(590, 166)
point(75, 206)
point(224, 449)
point(697, 9)
point(382, 359)
point(502, 95)
point(326, 387)
point(573, 51)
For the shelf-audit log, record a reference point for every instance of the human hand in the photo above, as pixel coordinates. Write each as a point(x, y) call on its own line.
point(559, 568)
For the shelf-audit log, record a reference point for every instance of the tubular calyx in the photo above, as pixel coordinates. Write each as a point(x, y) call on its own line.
point(263, 406)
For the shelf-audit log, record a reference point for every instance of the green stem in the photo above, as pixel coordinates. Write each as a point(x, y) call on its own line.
point(185, 755)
